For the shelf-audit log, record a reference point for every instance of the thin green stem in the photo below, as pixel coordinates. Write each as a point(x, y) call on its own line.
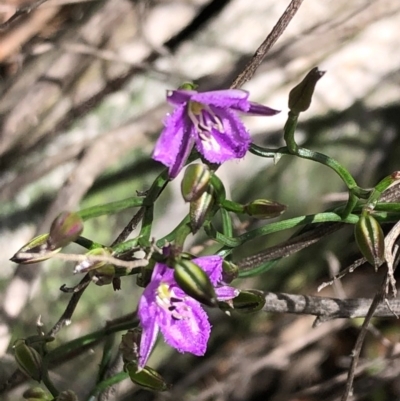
point(125, 246)
point(279, 226)
point(170, 237)
point(106, 357)
point(46, 379)
point(219, 188)
point(90, 339)
point(119, 377)
point(355, 191)
point(380, 188)
point(181, 234)
point(154, 192)
point(289, 131)
point(87, 243)
point(232, 206)
point(110, 208)
point(227, 228)
point(331, 163)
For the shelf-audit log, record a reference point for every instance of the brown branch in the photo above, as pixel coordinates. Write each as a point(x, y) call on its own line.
point(19, 12)
point(264, 48)
point(380, 296)
point(327, 308)
point(355, 355)
point(65, 318)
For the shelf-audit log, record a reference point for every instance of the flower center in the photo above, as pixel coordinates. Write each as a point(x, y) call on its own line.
point(168, 301)
point(204, 119)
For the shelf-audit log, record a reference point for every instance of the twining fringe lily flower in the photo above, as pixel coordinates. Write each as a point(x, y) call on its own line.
point(209, 121)
point(182, 320)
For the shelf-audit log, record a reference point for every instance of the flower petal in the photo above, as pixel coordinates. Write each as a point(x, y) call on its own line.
point(148, 314)
point(257, 109)
point(219, 147)
point(191, 333)
point(212, 265)
point(175, 142)
point(225, 293)
point(179, 96)
point(147, 341)
point(225, 99)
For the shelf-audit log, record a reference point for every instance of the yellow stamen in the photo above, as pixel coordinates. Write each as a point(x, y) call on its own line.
point(196, 114)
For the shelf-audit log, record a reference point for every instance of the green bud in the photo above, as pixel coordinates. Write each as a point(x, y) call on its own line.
point(66, 228)
point(195, 282)
point(300, 96)
point(264, 209)
point(67, 395)
point(200, 208)
point(370, 239)
point(36, 394)
point(37, 246)
point(146, 378)
point(230, 271)
point(249, 301)
point(189, 86)
point(89, 264)
point(129, 346)
point(28, 360)
point(195, 181)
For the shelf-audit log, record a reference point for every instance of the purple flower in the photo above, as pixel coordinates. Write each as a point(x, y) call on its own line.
point(182, 320)
point(208, 120)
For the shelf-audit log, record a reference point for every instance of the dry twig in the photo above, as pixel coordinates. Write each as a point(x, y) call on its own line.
point(19, 12)
point(264, 48)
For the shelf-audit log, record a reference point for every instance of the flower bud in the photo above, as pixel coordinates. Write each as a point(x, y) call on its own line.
point(195, 282)
point(67, 395)
point(36, 394)
point(146, 378)
point(200, 208)
point(195, 181)
point(129, 346)
point(300, 96)
point(370, 239)
point(189, 86)
point(249, 301)
point(264, 209)
point(38, 249)
point(28, 360)
point(65, 229)
point(230, 271)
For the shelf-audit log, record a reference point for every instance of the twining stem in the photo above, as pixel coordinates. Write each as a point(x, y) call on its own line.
point(355, 191)
point(317, 157)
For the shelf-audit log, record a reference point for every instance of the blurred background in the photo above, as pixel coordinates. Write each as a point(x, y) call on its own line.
point(82, 102)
